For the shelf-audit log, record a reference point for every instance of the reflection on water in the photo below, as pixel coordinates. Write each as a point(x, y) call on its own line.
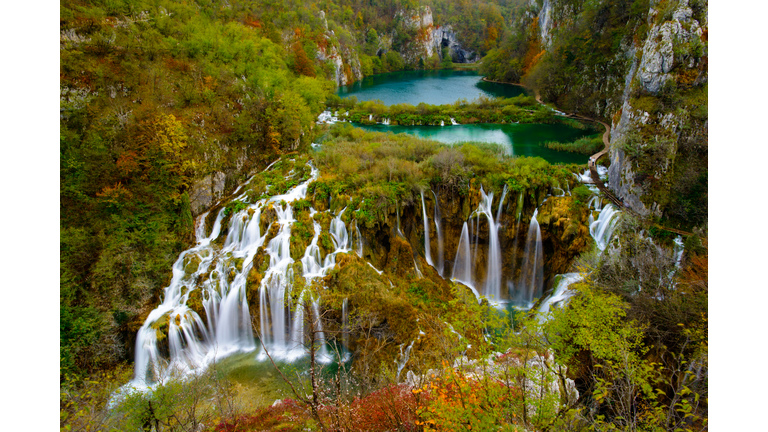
point(516, 139)
point(431, 87)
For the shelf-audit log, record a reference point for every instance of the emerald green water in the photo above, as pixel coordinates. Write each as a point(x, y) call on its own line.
point(517, 139)
point(439, 87)
point(446, 87)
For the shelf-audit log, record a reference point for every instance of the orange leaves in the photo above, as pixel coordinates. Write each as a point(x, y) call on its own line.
point(303, 64)
point(456, 401)
point(128, 163)
point(252, 22)
point(114, 195)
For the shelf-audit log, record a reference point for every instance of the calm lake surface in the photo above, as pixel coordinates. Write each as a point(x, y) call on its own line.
point(433, 87)
point(446, 87)
point(518, 139)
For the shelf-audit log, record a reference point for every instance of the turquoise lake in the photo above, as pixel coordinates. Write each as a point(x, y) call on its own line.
point(433, 87)
point(446, 87)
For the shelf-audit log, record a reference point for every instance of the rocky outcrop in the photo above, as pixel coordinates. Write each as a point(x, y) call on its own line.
point(446, 37)
point(206, 191)
point(658, 50)
point(645, 136)
point(345, 62)
point(430, 39)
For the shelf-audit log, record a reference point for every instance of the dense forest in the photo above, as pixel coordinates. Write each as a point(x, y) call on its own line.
point(183, 122)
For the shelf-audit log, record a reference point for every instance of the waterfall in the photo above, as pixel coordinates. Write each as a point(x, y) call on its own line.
point(453, 122)
point(438, 229)
point(218, 275)
point(492, 286)
point(427, 252)
point(276, 284)
point(679, 248)
point(462, 264)
point(317, 326)
point(358, 241)
point(442, 122)
point(532, 277)
point(397, 209)
point(310, 262)
point(200, 227)
point(404, 356)
point(602, 229)
point(344, 324)
point(498, 210)
point(476, 225)
point(419, 274)
point(559, 294)
point(339, 233)
point(370, 117)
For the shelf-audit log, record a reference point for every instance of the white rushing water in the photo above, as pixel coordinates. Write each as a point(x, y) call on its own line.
point(492, 286)
point(532, 276)
point(427, 251)
point(462, 263)
point(560, 294)
point(217, 273)
point(439, 230)
point(602, 228)
point(358, 241)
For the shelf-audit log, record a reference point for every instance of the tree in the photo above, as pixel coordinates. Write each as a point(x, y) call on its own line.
point(302, 64)
point(447, 61)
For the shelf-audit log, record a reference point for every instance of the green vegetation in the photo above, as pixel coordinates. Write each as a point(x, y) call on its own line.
point(381, 170)
point(587, 145)
point(519, 109)
point(582, 54)
point(151, 102)
point(157, 96)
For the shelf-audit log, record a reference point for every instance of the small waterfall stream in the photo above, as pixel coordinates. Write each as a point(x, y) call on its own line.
point(358, 241)
point(601, 231)
point(559, 294)
point(427, 251)
point(462, 264)
point(602, 228)
point(439, 230)
point(532, 277)
point(492, 286)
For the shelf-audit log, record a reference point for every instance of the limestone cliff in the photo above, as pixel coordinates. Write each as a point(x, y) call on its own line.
point(653, 133)
point(430, 38)
point(642, 66)
point(344, 59)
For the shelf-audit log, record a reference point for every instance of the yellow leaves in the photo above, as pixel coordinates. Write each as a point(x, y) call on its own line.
point(169, 134)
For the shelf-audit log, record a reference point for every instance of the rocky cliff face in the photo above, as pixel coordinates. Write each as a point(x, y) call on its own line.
point(649, 79)
point(345, 61)
point(446, 37)
point(652, 133)
point(431, 39)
